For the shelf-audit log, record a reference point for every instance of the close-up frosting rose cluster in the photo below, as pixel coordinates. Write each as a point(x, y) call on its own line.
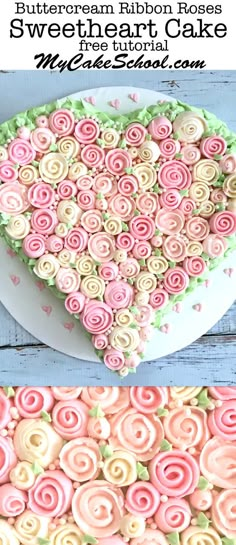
point(110, 466)
point(119, 217)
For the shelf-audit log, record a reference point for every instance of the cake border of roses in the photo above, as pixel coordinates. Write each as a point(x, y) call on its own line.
point(80, 108)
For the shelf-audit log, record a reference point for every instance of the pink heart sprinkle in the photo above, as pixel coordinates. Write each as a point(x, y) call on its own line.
point(177, 308)
point(207, 283)
point(115, 103)
point(15, 279)
point(165, 328)
point(229, 272)
point(11, 252)
point(134, 97)
point(90, 100)
point(40, 285)
point(47, 309)
point(69, 326)
point(198, 307)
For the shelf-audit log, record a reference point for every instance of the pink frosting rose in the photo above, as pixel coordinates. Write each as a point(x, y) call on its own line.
point(160, 128)
point(135, 134)
point(12, 501)
point(5, 405)
point(30, 402)
point(70, 418)
point(213, 145)
point(114, 359)
point(174, 473)
point(8, 458)
point(173, 515)
point(147, 399)
point(51, 494)
point(97, 317)
point(174, 175)
point(87, 131)
point(142, 499)
point(119, 294)
point(62, 122)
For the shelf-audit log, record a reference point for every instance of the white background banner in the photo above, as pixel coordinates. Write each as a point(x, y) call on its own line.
point(117, 35)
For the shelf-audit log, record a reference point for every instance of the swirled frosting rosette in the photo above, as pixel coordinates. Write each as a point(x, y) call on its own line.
point(175, 474)
point(79, 459)
point(29, 526)
point(174, 175)
point(141, 434)
point(51, 494)
point(190, 126)
point(87, 131)
point(173, 515)
point(186, 427)
point(139, 465)
point(97, 508)
point(118, 214)
point(70, 418)
point(217, 462)
point(223, 513)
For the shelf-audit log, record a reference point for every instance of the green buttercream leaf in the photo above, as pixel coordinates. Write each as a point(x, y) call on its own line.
point(162, 412)
point(122, 143)
point(106, 451)
point(89, 540)
point(178, 156)
point(202, 521)
point(99, 196)
point(228, 541)
point(125, 227)
point(142, 262)
point(129, 170)
point(134, 310)
point(46, 416)
point(37, 469)
point(173, 538)
point(184, 192)
point(202, 483)
point(142, 472)
point(165, 446)
point(9, 391)
point(97, 412)
point(53, 147)
point(203, 399)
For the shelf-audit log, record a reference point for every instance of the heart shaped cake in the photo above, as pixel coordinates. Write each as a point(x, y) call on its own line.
point(118, 466)
point(120, 216)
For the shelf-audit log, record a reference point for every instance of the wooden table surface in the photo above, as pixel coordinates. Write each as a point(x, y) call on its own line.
point(211, 359)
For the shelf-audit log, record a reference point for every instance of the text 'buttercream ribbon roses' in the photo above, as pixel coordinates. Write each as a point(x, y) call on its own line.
point(51, 494)
point(175, 473)
point(8, 459)
point(186, 427)
point(98, 508)
point(140, 434)
point(29, 527)
point(218, 462)
point(80, 459)
point(199, 536)
point(70, 418)
point(37, 441)
point(190, 126)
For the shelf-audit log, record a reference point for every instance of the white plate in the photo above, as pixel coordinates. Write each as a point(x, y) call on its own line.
point(44, 316)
